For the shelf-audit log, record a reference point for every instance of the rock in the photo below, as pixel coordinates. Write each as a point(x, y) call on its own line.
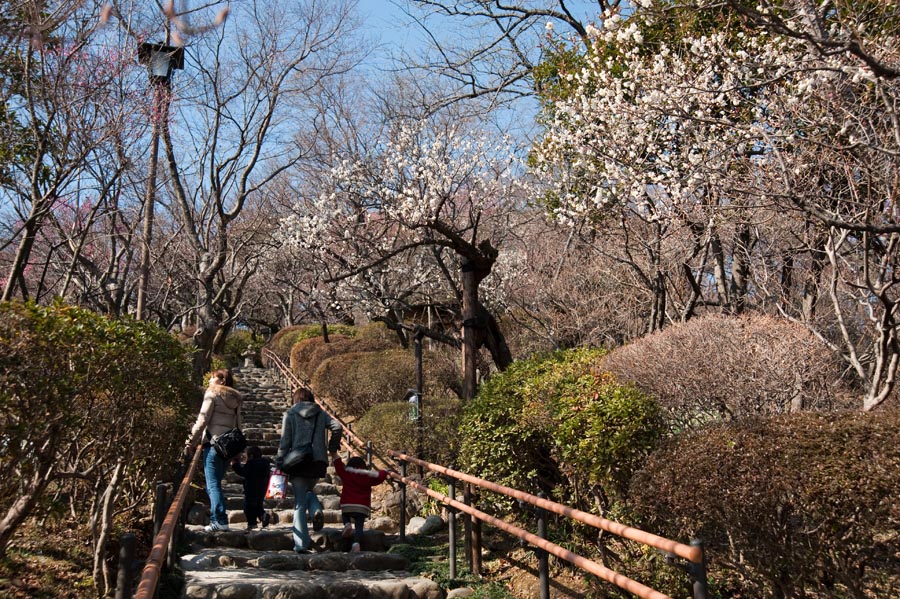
point(293, 591)
point(198, 514)
point(432, 524)
point(283, 561)
point(348, 589)
point(197, 591)
point(236, 591)
point(270, 540)
point(460, 593)
point(413, 526)
point(389, 589)
point(382, 523)
point(372, 562)
point(336, 562)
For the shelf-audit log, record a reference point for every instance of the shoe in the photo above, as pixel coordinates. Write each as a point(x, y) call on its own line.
point(251, 527)
point(355, 548)
point(348, 531)
point(302, 550)
point(216, 527)
point(318, 521)
point(265, 520)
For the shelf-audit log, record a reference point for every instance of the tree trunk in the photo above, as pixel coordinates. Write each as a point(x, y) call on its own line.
point(16, 277)
point(102, 576)
point(21, 508)
point(469, 324)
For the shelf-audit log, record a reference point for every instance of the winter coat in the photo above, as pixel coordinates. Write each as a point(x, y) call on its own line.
point(356, 493)
point(220, 411)
point(297, 430)
point(256, 476)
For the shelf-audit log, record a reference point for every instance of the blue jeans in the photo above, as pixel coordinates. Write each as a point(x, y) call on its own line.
point(214, 468)
point(305, 502)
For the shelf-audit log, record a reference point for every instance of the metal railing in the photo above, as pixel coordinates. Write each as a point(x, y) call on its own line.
point(693, 553)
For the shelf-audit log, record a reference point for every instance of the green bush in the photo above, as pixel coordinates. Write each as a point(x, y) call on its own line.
point(377, 330)
point(87, 404)
point(388, 426)
point(236, 344)
point(789, 506)
point(553, 424)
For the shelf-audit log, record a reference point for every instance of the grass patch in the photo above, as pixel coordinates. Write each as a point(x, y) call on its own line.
point(429, 557)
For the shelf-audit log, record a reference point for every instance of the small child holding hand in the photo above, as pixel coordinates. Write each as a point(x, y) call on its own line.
point(256, 480)
point(356, 495)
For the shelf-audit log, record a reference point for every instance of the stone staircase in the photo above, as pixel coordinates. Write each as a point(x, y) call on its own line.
point(261, 564)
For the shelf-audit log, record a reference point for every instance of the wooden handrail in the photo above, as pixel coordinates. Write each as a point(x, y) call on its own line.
point(150, 574)
point(688, 552)
point(620, 580)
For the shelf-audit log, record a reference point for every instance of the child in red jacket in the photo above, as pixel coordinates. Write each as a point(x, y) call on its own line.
point(356, 495)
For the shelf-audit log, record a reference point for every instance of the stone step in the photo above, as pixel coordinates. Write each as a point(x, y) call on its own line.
point(280, 537)
point(283, 513)
point(258, 575)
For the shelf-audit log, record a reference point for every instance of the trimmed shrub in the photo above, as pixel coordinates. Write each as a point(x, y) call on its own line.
point(388, 426)
point(787, 506)
point(552, 424)
point(719, 368)
point(377, 330)
point(283, 341)
point(356, 381)
point(303, 350)
point(309, 354)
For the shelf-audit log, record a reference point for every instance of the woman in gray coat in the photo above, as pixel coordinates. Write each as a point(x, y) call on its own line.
point(304, 425)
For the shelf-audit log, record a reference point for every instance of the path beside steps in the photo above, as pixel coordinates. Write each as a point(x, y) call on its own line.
point(261, 564)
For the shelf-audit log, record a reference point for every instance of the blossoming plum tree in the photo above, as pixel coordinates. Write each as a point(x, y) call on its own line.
point(418, 218)
point(708, 116)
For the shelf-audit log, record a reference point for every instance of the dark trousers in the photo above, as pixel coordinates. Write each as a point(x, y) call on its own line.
point(254, 510)
point(358, 521)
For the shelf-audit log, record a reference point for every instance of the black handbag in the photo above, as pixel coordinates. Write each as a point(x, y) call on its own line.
point(230, 443)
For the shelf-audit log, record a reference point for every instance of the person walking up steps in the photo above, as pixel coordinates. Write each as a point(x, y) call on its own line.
point(303, 430)
point(356, 495)
point(256, 480)
point(220, 411)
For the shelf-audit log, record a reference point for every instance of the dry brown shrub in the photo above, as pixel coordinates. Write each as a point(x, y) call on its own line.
point(283, 340)
point(799, 505)
point(303, 350)
point(316, 353)
point(354, 382)
point(723, 368)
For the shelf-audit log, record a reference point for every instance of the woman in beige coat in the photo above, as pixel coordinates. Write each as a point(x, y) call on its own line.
point(221, 411)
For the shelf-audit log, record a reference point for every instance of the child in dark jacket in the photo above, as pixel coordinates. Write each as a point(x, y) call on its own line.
point(356, 495)
point(256, 480)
